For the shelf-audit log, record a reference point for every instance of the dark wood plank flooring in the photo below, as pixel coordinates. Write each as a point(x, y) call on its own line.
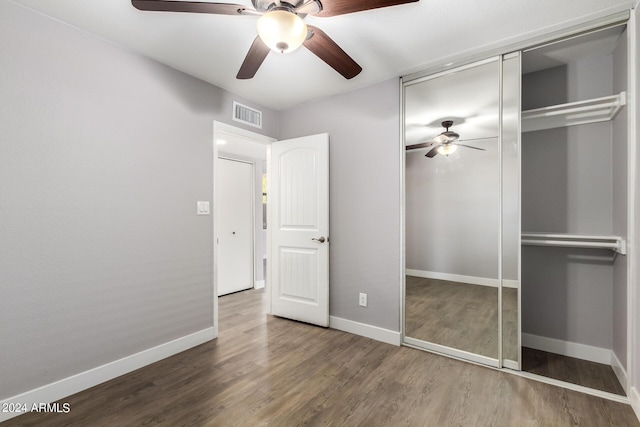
point(572, 370)
point(264, 370)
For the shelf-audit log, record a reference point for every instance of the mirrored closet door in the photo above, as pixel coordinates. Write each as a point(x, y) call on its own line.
point(453, 212)
point(517, 208)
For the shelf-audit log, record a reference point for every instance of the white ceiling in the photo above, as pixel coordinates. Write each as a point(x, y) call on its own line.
point(470, 98)
point(598, 43)
point(386, 42)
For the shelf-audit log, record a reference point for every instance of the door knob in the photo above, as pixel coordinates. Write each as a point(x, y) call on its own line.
point(320, 240)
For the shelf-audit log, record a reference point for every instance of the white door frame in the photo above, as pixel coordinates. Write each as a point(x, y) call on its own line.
point(220, 129)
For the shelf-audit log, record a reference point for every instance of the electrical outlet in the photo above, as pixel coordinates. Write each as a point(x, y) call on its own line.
point(363, 300)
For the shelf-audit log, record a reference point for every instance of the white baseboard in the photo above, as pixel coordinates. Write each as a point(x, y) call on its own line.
point(512, 284)
point(87, 379)
point(634, 398)
point(259, 284)
point(567, 348)
point(364, 330)
point(510, 364)
point(620, 371)
point(482, 281)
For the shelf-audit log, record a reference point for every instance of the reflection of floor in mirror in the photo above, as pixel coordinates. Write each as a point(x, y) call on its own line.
point(457, 315)
point(572, 370)
point(510, 324)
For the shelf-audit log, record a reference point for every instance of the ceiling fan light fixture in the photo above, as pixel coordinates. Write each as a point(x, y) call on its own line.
point(282, 31)
point(447, 149)
point(441, 139)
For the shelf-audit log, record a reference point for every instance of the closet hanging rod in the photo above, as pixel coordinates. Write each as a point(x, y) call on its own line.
point(615, 243)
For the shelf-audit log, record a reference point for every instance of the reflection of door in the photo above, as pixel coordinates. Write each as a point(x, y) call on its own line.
point(235, 238)
point(299, 228)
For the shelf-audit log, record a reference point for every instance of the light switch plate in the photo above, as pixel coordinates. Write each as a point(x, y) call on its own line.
point(202, 208)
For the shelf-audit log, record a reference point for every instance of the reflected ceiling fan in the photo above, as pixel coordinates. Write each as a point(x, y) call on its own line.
point(446, 143)
point(281, 27)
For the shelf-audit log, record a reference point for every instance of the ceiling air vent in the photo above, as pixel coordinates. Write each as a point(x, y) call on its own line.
point(247, 115)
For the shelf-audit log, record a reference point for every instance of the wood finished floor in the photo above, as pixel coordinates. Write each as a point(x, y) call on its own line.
point(464, 316)
point(264, 370)
point(570, 369)
point(457, 315)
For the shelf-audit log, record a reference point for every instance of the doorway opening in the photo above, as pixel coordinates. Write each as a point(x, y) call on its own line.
point(239, 207)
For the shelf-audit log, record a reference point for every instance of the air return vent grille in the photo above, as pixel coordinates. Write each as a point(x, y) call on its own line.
point(247, 115)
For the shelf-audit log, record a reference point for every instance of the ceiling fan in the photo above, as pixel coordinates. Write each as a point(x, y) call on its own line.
point(445, 143)
point(281, 27)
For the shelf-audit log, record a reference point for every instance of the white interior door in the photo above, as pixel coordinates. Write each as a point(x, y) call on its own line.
point(235, 238)
point(298, 228)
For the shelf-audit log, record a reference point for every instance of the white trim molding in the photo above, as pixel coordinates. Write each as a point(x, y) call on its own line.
point(620, 371)
point(452, 352)
point(570, 386)
point(87, 379)
point(364, 330)
point(634, 398)
point(567, 348)
point(458, 278)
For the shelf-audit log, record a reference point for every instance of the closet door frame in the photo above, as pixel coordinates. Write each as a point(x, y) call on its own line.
point(633, 208)
point(621, 15)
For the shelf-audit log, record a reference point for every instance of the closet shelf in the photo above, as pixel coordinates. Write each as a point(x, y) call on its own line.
point(573, 113)
point(615, 243)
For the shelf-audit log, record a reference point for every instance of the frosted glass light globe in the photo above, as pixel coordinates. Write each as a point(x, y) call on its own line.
point(282, 31)
point(447, 149)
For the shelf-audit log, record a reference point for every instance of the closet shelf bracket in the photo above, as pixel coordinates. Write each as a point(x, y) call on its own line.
point(574, 113)
point(615, 243)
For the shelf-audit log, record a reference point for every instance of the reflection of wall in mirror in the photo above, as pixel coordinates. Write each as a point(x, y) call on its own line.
point(453, 212)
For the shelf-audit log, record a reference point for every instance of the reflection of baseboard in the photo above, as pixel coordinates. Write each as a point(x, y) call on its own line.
point(482, 281)
point(567, 348)
point(511, 284)
point(511, 364)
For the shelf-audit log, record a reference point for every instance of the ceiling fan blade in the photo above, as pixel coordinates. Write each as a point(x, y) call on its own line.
point(326, 49)
point(468, 146)
point(433, 151)
point(190, 6)
point(341, 7)
point(477, 139)
point(255, 57)
point(421, 145)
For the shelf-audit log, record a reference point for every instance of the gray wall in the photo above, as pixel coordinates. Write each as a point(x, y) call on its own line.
point(103, 157)
point(364, 197)
point(567, 181)
point(453, 211)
